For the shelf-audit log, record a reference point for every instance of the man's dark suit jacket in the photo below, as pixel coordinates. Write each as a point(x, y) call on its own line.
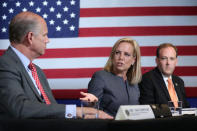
point(18, 95)
point(153, 89)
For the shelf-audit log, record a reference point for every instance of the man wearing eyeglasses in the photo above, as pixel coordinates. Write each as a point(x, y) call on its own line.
point(155, 85)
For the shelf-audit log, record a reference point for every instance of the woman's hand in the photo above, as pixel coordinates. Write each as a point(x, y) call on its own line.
point(88, 97)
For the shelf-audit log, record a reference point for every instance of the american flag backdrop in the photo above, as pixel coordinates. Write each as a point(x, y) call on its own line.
point(82, 33)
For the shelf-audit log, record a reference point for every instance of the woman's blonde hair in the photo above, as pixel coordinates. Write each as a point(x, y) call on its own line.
point(134, 72)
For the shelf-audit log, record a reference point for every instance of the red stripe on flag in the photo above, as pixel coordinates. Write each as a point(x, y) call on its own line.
point(88, 72)
point(77, 52)
point(105, 52)
point(187, 50)
point(138, 11)
point(182, 50)
point(75, 93)
point(191, 91)
point(179, 70)
point(68, 93)
point(138, 31)
point(1, 52)
point(70, 73)
point(186, 71)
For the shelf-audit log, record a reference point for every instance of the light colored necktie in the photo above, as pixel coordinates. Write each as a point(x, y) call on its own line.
point(172, 93)
point(35, 76)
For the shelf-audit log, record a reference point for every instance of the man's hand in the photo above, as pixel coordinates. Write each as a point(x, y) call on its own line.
point(88, 97)
point(89, 111)
point(103, 115)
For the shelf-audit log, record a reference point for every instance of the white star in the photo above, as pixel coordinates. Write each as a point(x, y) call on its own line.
point(72, 2)
point(72, 15)
point(65, 21)
point(4, 17)
point(11, 10)
point(51, 22)
point(45, 3)
point(72, 28)
point(58, 28)
point(52, 9)
point(3, 29)
point(18, 4)
point(59, 15)
point(38, 9)
point(59, 2)
point(65, 9)
point(4, 4)
point(24, 9)
point(45, 15)
point(31, 3)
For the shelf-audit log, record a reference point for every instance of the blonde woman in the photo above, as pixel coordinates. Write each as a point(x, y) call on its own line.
point(117, 84)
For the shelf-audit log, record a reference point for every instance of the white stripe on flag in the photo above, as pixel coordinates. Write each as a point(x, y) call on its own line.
point(134, 3)
point(84, 42)
point(99, 62)
point(82, 83)
point(129, 21)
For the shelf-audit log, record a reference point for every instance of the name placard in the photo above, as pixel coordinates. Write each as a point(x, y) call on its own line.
point(134, 112)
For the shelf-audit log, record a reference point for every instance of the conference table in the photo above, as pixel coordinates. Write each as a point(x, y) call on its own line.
point(169, 123)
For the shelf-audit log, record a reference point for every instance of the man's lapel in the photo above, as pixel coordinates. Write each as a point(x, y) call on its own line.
point(20, 66)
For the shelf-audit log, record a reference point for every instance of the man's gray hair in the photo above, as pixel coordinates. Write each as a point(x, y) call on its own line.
point(20, 26)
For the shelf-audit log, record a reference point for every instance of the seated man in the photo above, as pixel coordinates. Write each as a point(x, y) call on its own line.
point(159, 85)
point(24, 89)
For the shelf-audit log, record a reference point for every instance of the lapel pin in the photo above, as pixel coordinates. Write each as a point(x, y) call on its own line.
point(153, 106)
point(176, 84)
